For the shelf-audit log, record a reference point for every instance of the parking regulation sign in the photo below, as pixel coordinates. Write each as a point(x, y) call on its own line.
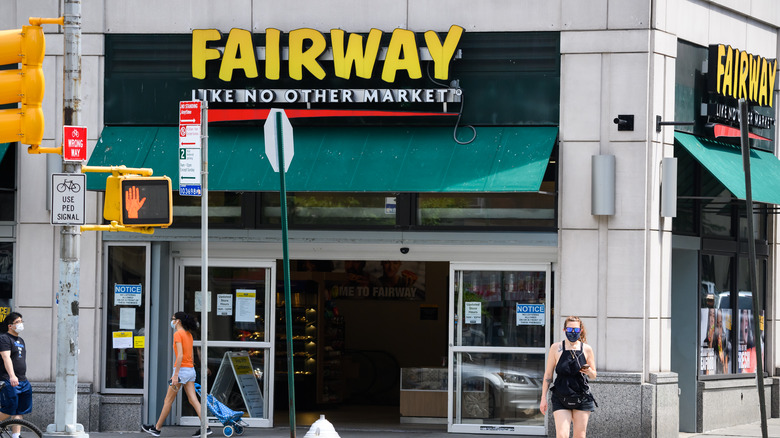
point(190, 163)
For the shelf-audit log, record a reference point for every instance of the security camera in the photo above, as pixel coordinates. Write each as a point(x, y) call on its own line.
point(404, 250)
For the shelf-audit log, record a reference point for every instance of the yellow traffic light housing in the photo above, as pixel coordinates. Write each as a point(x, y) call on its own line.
point(25, 85)
point(138, 201)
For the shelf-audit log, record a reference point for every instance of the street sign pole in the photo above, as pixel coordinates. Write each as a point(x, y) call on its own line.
point(67, 298)
point(204, 270)
point(757, 316)
point(286, 267)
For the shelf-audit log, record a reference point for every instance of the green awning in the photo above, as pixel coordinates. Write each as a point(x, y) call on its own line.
point(3, 149)
point(724, 161)
point(354, 159)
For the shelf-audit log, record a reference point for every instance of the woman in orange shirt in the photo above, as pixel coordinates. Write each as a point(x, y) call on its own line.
point(183, 372)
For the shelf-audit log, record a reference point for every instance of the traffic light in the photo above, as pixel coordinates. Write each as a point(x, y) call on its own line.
point(25, 85)
point(138, 201)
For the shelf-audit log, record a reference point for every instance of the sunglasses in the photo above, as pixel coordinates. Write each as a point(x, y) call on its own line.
point(573, 330)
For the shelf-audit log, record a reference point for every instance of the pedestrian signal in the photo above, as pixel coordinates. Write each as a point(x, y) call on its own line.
point(138, 201)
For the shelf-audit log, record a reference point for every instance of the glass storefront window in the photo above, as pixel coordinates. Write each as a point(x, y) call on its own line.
point(746, 338)
point(486, 209)
point(499, 388)
point(225, 210)
point(714, 336)
point(239, 335)
point(6, 278)
point(759, 221)
point(228, 390)
point(490, 315)
point(331, 209)
point(716, 207)
point(236, 299)
point(125, 310)
point(8, 184)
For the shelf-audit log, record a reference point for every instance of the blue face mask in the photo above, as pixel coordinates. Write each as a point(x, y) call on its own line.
point(572, 334)
point(173, 324)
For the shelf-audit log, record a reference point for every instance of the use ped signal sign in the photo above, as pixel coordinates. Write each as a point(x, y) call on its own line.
point(74, 143)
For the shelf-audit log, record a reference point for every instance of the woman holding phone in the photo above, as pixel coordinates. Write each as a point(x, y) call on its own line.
point(183, 326)
point(573, 363)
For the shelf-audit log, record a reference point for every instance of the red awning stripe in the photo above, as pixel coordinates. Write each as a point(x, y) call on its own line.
point(728, 131)
point(233, 115)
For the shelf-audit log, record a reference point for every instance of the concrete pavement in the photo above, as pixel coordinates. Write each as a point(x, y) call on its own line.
point(747, 430)
point(416, 430)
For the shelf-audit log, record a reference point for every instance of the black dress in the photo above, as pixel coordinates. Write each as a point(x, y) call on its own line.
point(569, 381)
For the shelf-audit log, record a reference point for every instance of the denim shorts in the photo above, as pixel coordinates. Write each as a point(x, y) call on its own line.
point(186, 374)
point(16, 400)
point(588, 404)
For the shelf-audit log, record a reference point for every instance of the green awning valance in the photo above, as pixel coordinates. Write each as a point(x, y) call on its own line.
point(724, 161)
point(353, 159)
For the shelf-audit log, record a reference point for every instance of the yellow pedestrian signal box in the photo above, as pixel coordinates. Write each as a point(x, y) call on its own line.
point(138, 201)
point(25, 85)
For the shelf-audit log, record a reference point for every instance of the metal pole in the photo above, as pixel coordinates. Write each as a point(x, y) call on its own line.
point(286, 267)
point(67, 298)
point(745, 143)
point(204, 269)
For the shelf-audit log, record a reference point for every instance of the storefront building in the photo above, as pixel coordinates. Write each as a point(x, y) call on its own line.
point(462, 181)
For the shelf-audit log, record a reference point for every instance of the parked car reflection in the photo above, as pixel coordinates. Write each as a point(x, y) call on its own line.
point(500, 392)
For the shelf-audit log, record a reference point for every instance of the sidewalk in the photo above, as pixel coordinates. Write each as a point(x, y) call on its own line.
point(284, 432)
point(747, 430)
point(417, 430)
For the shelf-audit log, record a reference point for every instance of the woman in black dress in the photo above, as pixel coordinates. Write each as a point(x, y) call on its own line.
point(573, 363)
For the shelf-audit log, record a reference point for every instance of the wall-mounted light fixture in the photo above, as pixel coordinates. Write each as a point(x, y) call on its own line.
point(625, 122)
point(602, 201)
point(669, 187)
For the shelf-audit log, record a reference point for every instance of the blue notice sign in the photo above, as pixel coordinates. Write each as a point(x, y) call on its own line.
point(193, 190)
point(127, 294)
point(530, 314)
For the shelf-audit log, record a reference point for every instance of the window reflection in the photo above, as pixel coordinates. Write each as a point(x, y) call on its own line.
point(502, 308)
point(236, 300)
point(332, 208)
point(500, 388)
point(486, 209)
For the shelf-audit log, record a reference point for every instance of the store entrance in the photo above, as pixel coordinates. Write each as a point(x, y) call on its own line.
point(498, 342)
point(357, 326)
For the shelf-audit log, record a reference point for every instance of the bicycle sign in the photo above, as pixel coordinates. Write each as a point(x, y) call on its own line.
point(68, 185)
point(67, 198)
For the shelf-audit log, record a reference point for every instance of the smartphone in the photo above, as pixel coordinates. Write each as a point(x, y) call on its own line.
point(169, 381)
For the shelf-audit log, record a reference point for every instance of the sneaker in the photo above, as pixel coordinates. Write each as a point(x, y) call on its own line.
point(150, 429)
point(197, 432)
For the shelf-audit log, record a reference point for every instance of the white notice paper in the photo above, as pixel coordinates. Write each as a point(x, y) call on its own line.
point(122, 340)
point(199, 301)
point(224, 304)
point(473, 312)
point(127, 318)
point(245, 305)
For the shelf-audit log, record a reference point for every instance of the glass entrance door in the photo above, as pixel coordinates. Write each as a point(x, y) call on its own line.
point(241, 311)
point(498, 340)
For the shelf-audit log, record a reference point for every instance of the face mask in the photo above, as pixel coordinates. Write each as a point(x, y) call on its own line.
point(572, 337)
point(19, 327)
point(173, 324)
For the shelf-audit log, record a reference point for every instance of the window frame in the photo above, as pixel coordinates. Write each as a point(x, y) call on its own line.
point(104, 319)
